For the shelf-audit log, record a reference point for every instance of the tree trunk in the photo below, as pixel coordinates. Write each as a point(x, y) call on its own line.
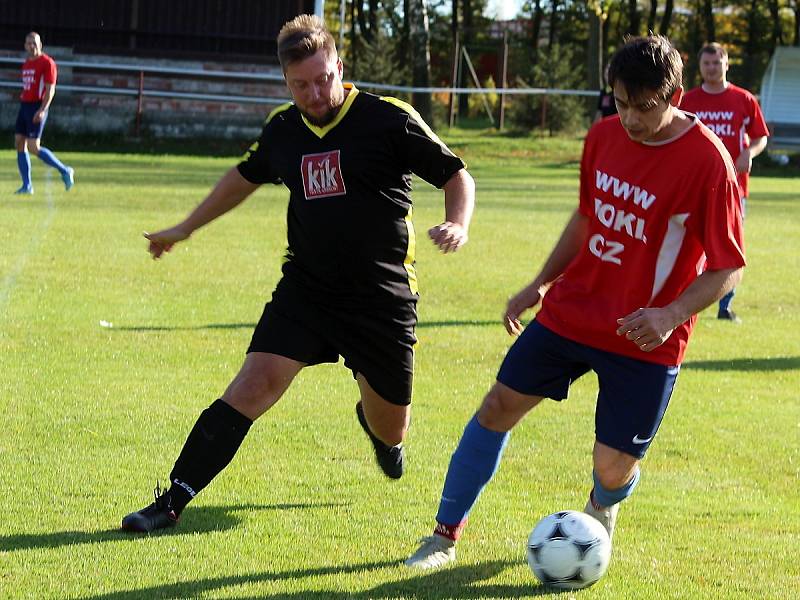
point(751, 45)
point(708, 20)
point(453, 21)
point(467, 37)
point(421, 56)
point(796, 22)
point(373, 17)
point(594, 57)
point(553, 24)
point(634, 19)
point(536, 29)
point(666, 19)
point(362, 21)
point(777, 27)
point(353, 42)
point(404, 47)
point(651, 17)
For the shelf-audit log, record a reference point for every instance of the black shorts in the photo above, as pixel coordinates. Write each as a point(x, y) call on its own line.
point(377, 342)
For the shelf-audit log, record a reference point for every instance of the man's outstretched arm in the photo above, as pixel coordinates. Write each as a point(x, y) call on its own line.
point(228, 193)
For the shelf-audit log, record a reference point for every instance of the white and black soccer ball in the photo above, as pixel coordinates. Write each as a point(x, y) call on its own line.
point(569, 550)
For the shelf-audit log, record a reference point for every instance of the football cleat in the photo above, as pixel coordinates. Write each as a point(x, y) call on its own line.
point(68, 177)
point(390, 458)
point(607, 515)
point(726, 314)
point(434, 552)
point(159, 515)
point(25, 190)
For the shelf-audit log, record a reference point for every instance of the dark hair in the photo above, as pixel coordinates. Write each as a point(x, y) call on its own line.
point(302, 37)
point(712, 48)
point(647, 64)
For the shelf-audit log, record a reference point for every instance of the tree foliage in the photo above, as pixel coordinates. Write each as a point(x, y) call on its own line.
point(565, 42)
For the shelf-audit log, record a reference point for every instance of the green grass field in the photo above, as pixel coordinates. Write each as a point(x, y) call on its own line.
point(93, 415)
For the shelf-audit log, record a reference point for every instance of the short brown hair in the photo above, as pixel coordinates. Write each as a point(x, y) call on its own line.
point(712, 48)
point(649, 63)
point(302, 37)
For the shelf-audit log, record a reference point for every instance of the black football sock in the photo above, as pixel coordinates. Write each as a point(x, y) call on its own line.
point(211, 445)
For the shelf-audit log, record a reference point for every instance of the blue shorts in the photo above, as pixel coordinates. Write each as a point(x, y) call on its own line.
point(633, 394)
point(25, 125)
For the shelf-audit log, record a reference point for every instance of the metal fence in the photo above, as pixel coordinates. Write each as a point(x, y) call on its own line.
point(140, 72)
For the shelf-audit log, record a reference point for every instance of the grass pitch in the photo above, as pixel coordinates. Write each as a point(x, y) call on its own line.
point(93, 415)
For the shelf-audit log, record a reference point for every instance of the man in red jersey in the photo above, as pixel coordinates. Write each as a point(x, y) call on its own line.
point(658, 204)
point(39, 75)
point(734, 115)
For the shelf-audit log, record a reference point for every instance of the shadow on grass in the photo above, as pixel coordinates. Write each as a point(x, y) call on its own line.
point(146, 328)
point(421, 324)
point(449, 583)
point(778, 363)
point(201, 519)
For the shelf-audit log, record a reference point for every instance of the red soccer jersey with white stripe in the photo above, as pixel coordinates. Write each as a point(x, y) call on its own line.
point(656, 212)
point(36, 73)
point(734, 115)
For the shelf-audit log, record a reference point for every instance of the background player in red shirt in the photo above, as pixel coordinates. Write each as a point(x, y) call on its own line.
point(658, 202)
point(734, 115)
point(39, 76)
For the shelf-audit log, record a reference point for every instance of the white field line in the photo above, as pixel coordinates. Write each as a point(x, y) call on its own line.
point(9, 281)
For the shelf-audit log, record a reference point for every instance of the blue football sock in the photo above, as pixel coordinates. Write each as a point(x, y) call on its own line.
point(49, 158)
point(607, 498)
point(24, 163)
point(472, 465)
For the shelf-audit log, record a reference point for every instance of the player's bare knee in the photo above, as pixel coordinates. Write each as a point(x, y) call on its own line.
point(615, 474)
point(251, 396)
point(499, 411)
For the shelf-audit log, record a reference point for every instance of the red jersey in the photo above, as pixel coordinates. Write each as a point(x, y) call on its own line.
point(36, 72)
point(734, 115)
point(655, 212)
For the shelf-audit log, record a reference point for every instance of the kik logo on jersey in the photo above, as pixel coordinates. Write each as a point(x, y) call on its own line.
point(322, 175)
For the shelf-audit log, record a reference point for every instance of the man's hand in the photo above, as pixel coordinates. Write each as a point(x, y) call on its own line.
point(744, 162)
point(527, 298)
point(448, 236)
point(648, 328)
point(38, 116)
point(163, 241)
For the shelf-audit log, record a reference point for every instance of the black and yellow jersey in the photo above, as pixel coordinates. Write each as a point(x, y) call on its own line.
point(349, 227)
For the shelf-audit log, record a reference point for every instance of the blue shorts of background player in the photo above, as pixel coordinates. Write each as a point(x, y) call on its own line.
point(25, 125)
point(27, 135)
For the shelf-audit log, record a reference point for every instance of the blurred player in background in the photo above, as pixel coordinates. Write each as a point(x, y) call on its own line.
point(734, 115)
point(39, 74)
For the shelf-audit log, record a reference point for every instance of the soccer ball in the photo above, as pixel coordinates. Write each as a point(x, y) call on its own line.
point(569, 550)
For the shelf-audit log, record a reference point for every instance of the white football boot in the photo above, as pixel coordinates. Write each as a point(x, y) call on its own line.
point(606, 515)
point(434, 552)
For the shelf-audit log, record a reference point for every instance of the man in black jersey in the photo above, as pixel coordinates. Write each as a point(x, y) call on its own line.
point(349, 287)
